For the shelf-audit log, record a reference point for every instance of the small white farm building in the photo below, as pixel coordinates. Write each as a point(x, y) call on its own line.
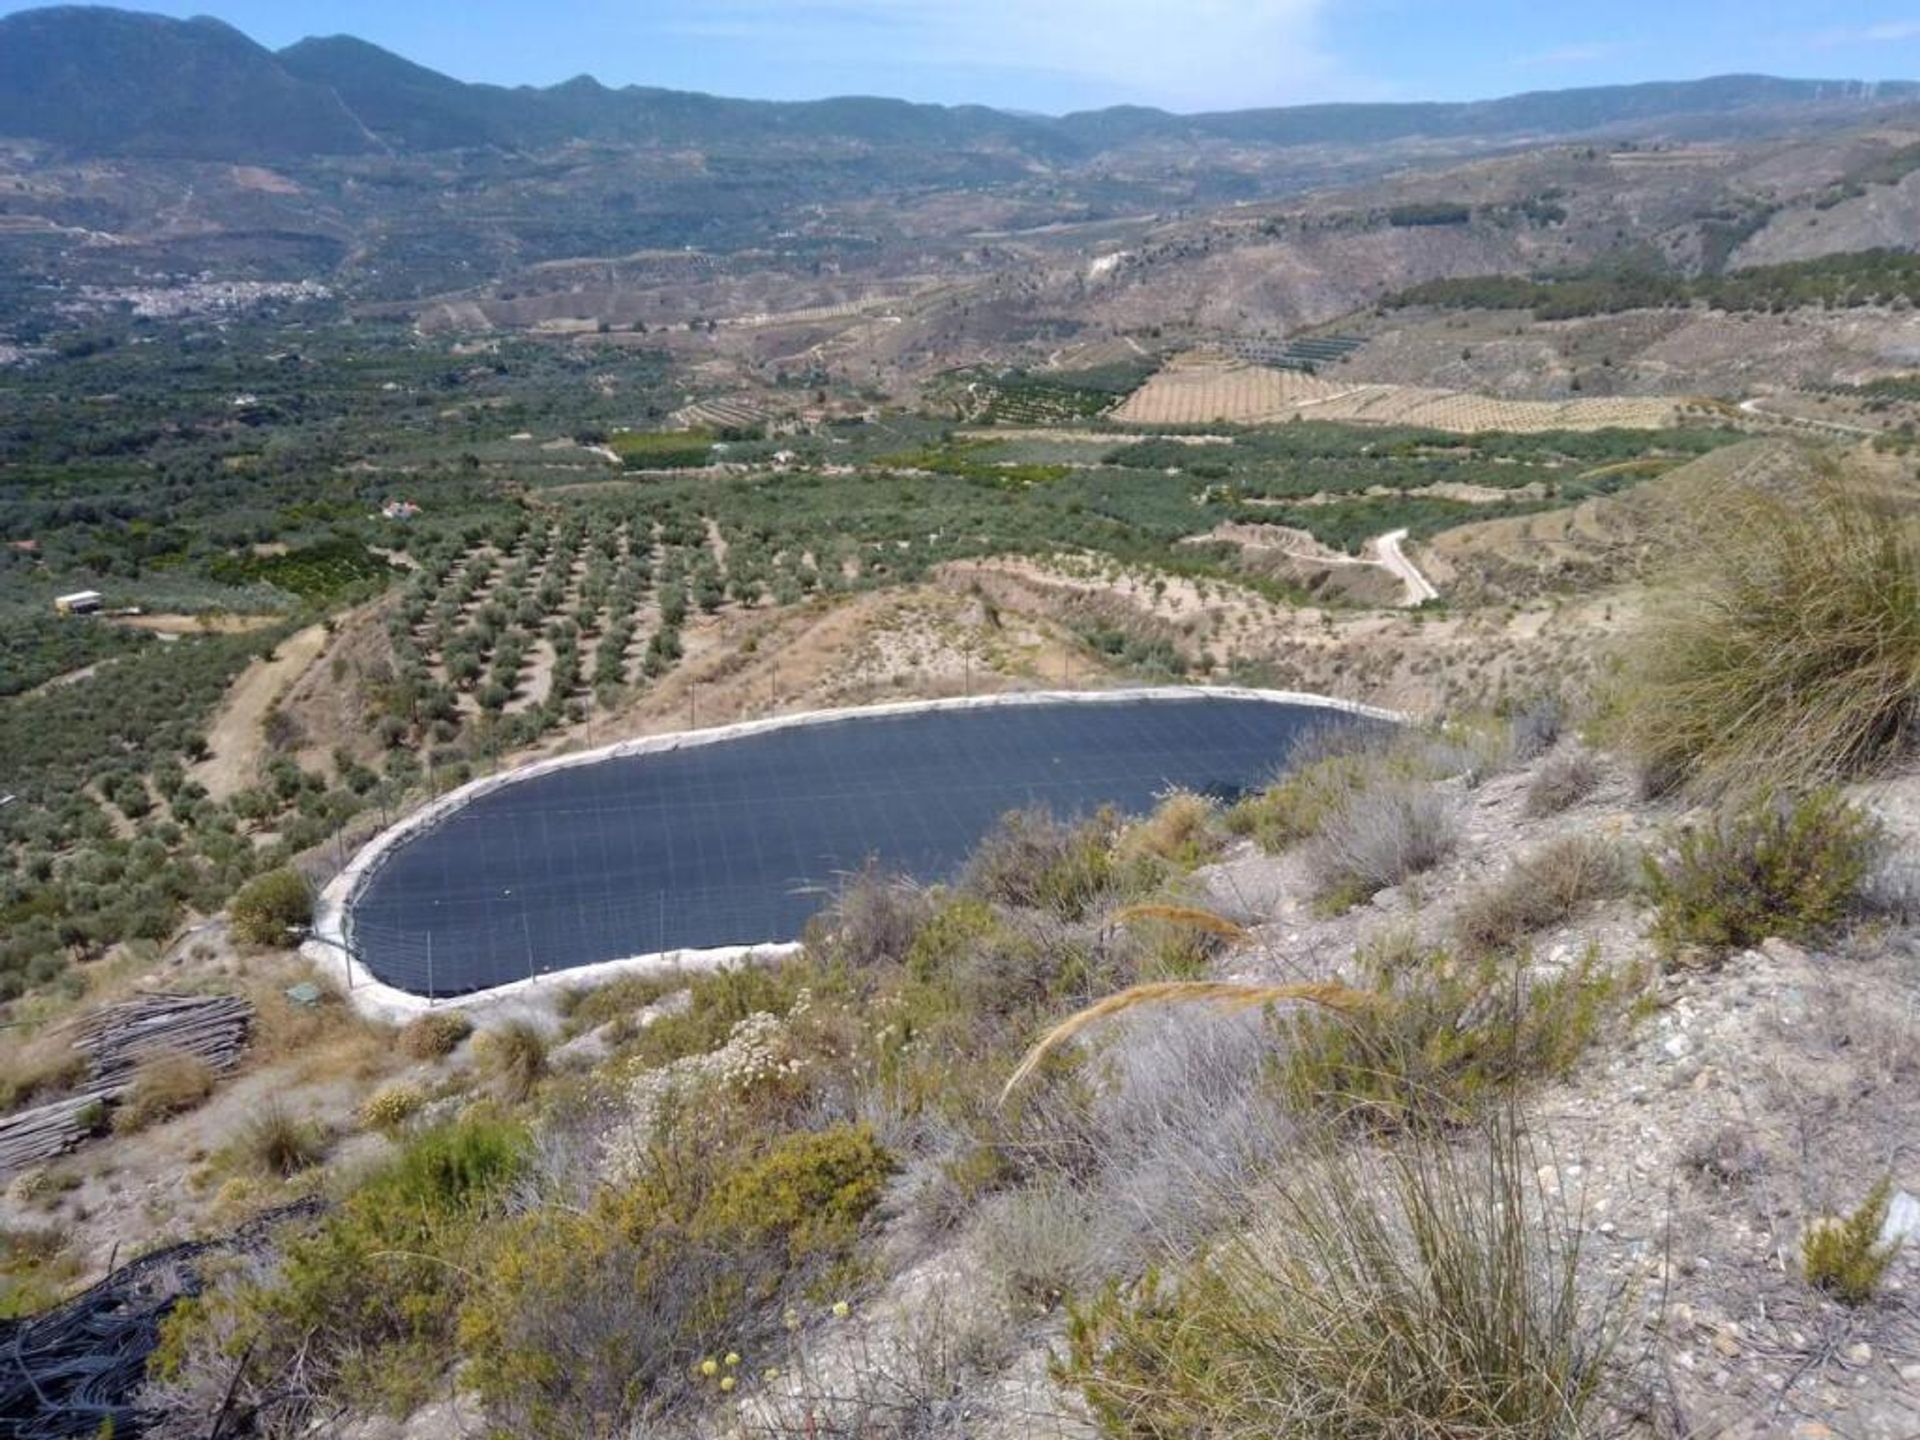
point(81, 602)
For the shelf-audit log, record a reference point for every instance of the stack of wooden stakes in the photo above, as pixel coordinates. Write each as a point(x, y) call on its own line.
point(117, 1040)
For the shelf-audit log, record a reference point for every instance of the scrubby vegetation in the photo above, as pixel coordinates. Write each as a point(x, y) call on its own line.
point(1867, 277)
point(163, 1086)
point(1779, 865)
point(1844, 1255)
point(1446, 1038)
point(724, 1168)
point(434, 1034)
point(268, 909)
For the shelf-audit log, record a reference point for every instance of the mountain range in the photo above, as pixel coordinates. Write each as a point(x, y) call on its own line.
point(102, 81)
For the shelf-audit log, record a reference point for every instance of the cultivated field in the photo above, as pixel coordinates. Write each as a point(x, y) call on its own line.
point(1201, 391)
point(1197, 390)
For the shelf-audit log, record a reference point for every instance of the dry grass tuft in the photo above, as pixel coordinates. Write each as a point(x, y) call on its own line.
point(1437, 1290)
point(163, 1086)
point(1380, 837)
point(1188, 916)
point(514, 1056)
point(1547, 888)
point(435, 1035)
point(1787, 653)
point(39, 1069)
point(1229, 996)
point(1181, 831)
point(276, 1143)
point(1562, 783)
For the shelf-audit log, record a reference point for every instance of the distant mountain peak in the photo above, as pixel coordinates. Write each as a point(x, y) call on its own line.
point(99, 80)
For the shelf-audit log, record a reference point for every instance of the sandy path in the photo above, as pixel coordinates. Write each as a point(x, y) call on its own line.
point(211, 623)
point(235, 737)
point(1832, 427)
point(1419, 588)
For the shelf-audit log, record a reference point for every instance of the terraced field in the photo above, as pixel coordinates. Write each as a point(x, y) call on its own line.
point(1203, 390)
point(1468, 414)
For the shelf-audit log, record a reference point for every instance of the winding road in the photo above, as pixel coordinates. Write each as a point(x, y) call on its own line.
point(1394, 560)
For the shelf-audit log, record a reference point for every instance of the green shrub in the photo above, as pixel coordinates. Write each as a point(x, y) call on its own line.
point(586, 1009)
point(1294, 807)
point(270, 906)
point(1789, 650)
point(1777, 866)
point(716, 1002)
point(810, 1190)
point(1446, 1040)
point(1437, 1292)
point(586, 1320)
point(1845, 1256)
point(36, 1266)
point(363, 1301)
point(1034, 861)
point(450, 1170)
point(1544, 889)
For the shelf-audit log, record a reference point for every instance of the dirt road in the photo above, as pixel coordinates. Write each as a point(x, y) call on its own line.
point(235, 736)
point(1393, 559)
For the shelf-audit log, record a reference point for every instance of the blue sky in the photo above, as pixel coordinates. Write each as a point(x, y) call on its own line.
point(1056, 55)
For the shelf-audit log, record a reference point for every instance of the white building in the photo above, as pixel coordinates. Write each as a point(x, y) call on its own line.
point(81, 602)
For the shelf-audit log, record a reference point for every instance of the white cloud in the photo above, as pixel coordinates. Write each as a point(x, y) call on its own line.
point(1189, 54)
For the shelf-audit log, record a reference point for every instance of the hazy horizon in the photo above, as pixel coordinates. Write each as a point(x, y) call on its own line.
point(1079, 54)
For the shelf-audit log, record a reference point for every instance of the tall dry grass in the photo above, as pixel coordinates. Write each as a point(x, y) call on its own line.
point(1786, 650)
point(1434, 1290)
point(1225, 995)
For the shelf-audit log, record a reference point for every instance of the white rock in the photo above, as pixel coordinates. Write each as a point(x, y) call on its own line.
point(1903, 1219)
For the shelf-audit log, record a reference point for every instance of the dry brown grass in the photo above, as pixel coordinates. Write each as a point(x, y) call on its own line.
point(1228, 996)
point(514, 1057)
point(435, 1035)
point(1182, 830)
point(277, 1143)
point(1547, 888)
point(1188, 917)
point(1562, 783)
point(323, 1041)
point(163, 1086)
point(39, 1069)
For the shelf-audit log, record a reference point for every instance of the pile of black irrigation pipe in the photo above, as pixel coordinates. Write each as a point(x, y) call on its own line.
point(77, 1369)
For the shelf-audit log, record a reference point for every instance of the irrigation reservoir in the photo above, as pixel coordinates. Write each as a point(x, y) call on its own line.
point(735, 837)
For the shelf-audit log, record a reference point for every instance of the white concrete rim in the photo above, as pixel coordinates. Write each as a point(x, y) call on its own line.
point(329, 949)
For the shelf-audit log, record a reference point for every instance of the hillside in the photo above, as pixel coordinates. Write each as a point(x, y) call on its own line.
point(112, 82)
